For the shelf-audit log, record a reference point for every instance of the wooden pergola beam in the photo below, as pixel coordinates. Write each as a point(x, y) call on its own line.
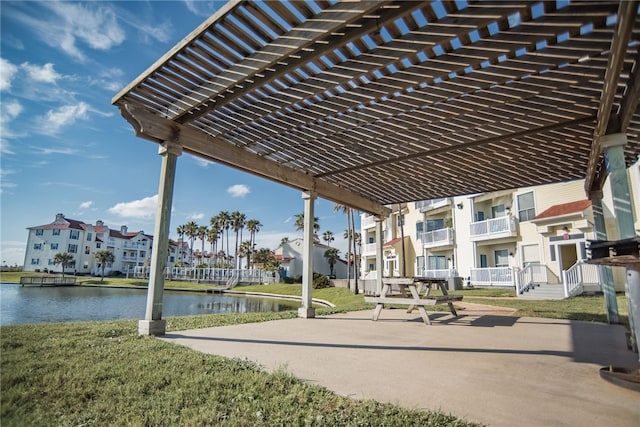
point(152, 127)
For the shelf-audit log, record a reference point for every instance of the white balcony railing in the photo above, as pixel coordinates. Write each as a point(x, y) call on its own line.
point(442, 237)
point(425, 205)
point(495, 227)
point(369, 249)
point(368, 221)
point(492, 276)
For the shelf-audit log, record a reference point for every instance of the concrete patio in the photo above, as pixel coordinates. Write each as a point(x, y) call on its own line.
point(484, 365)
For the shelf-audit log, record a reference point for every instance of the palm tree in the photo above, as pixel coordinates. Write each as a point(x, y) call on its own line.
point(332, 255)
point(253, 225)
point(191, 231)
point(349, 235)
point(64, 259)
point(180, 230)
point(223, 219)
point(201, 233)
point(212, 237)
point(238, 221)
point(299, 224)
point(244, 250)
point(103, 258)
point(327, 236)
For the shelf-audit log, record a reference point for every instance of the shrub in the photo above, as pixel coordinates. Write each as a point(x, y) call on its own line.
point(320, 281)
point(288, 280)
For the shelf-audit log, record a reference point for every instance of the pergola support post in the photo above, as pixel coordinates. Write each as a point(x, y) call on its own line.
point(153, 324)
point(613, 146)
point(307, 311)
point(379, 260)
point(606, 275)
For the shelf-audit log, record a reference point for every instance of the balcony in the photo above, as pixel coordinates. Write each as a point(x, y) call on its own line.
point(426, 205)
point(436, 238)
point(494, 228)
point(369, 249)
point(368, 221)
point(135, 245)
point(440, 274)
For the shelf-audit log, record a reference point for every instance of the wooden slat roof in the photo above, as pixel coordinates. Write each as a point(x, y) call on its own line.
point(377, 102)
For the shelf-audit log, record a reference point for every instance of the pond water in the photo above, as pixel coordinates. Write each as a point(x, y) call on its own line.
point(31, 304)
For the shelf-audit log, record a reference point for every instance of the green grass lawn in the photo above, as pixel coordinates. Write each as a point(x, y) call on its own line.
point(102, 373)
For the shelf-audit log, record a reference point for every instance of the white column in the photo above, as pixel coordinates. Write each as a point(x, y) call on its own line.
point(379, 260)
point(153, 324)
point(606, 275)
point(307, 310)
point(613, 146)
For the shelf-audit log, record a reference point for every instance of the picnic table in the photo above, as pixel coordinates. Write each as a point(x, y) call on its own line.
point(414, 292)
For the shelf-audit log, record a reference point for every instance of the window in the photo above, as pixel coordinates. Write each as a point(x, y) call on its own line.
point(56, 232)
point(73, 249)
point(37, 246)
point(501, 258)
point(435, 224)
point(497, 211)
point(54, 246)
point(39, 232)
point(51, 262)
point(35, 261)
point(142, 254)
point(436, 263)
point(419, 229)
point(89, 237)
point(74, 234)
point(526, 207)
point(98, 245)
point(86, 250)
point(420, 265)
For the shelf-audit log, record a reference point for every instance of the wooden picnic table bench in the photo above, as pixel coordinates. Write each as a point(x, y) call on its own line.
point(414, 292)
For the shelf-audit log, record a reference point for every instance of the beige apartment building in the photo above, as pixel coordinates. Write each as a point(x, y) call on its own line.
point(524, 238)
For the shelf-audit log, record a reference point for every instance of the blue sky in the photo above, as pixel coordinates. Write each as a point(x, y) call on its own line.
point(65, 149)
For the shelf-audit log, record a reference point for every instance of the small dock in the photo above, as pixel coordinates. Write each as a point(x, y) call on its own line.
point(47, 281)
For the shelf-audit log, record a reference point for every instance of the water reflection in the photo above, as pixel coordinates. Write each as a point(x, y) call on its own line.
point(70, 304)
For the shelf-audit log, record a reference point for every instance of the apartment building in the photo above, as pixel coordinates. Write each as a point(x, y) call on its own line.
point(290, 256)
point(82, 240)
point(506, 238)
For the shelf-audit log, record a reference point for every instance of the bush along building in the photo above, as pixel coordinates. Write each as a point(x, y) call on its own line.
point(533, 239)
point(83, 241)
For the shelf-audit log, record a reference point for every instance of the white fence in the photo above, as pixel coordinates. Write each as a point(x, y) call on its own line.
point(443, 236)
point(492, 276)
point(580, 275)
point(212, 275)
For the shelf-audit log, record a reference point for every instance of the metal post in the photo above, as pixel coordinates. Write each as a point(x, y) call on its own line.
point(379, 260)
point(606, 276)
point(618, 180)
point(307, 310)
point(153, 324)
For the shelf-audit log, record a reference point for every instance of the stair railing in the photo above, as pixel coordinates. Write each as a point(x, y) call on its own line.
point(577, 275)
point(533, 275)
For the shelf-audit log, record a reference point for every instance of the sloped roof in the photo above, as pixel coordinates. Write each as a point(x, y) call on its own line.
point(564, 209)
point(64, 223)
point(378, 102)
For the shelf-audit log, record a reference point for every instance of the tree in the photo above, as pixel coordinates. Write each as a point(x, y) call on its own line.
point(253, 225)
point(349, 234)
point(299, 224)
point(103, 258)
point(180, 230)
point(64, 259)
point(332, 255)
point(244, 251)
point(327, 236)
point(223, 221)
point(212, 237)
point(238, 221)
point(284, 240)
point(191, 231)
point(201, 233)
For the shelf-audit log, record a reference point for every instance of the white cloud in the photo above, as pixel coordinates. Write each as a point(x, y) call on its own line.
point(202, 162)
point(204, 8)
point(63, 116)
point(5, 148)
point(45, 74)
point(144, 208)
point(7, 71)
point(195, 216)
point(86, 205)
point(55, 150)
point(238, 190)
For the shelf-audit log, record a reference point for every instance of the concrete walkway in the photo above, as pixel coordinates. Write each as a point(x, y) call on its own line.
point(485, 366)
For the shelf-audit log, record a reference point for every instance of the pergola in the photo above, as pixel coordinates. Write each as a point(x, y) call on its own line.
point(372, 103)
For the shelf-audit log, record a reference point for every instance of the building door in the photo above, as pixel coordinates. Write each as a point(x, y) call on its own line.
point(568, 256)
point(483, 261)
